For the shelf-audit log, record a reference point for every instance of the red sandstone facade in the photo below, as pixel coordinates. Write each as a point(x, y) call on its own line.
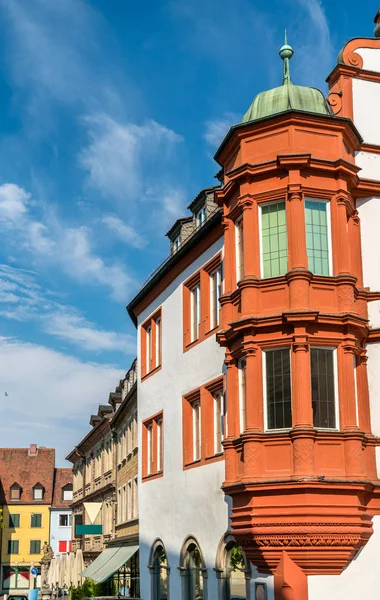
point(303, 498)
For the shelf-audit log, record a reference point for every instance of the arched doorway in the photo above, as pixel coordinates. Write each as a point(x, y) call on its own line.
point(159, 571)
point(193, 571)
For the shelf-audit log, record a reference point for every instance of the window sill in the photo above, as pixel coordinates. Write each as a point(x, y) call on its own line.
point(150, 373)
point(152, 476)
point(203, 461)
point(201, 339)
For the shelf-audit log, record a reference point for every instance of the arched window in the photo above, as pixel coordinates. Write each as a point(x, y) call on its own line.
point(159, 571)
point(233, 570)
point(193, 571)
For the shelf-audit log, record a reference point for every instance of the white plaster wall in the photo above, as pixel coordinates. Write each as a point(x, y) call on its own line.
point(369, 213)
point(359, 581)
point(373, 352)
point(371, 58)
point(181, 502)
point(366, 101)
point(374, 313)
point(369, 162)
point(57, 533)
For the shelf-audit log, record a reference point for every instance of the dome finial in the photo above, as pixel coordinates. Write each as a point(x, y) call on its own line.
point(286, 53)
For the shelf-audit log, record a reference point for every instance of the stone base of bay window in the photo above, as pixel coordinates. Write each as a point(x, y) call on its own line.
point(302, 452)
point(320, 524)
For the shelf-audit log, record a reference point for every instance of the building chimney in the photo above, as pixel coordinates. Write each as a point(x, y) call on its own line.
point(32, 451)
point(376, 32)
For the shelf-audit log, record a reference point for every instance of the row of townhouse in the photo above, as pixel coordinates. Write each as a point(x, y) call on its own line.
point(257, 364)
point(105, 491)
point(35, 499)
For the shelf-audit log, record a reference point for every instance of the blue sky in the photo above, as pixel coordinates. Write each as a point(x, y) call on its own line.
point(110, 113)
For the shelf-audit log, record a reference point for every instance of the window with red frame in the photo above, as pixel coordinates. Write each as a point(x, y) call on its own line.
point(204, 424)
point(151, 345)
point(201, 293)
point(153, 446)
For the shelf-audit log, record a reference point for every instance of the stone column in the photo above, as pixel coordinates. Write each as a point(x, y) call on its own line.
point(251, 236)
point(355, 248)
point(347, 396)
point(364, 410)
point(301, 382)
point(297, 256)
point(254, 409)
point(341, 249)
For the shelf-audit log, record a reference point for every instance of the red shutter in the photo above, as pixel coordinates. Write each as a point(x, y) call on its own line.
point(61, 546)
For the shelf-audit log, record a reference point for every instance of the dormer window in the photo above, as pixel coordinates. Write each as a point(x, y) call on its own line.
point(15, 492)
point(67, 493)
point(176, 243)
point(200, 216)
point(38, 492)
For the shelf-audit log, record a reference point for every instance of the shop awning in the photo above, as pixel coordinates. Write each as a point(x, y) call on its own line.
point(108, 562)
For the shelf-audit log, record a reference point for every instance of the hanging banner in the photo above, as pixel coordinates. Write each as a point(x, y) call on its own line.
point(92, 509)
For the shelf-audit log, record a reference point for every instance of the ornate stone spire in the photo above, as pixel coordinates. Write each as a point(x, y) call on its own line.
point(286, 53)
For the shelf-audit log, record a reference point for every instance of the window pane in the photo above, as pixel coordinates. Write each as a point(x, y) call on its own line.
point(14, 521)
point(317, 246)
point(196, 431)
point(195, 312)
point(278, 387)
point(274, 239)
point(323, 387)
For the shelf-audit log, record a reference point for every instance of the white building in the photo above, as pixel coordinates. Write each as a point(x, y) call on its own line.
point(253, 341)
point(60, 513)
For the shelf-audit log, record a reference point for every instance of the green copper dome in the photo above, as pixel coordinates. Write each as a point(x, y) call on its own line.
point(287, 96)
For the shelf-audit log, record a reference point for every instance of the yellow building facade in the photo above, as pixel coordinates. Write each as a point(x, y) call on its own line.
point(26, 528)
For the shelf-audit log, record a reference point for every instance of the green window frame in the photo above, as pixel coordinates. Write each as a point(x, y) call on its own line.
point(274, 243)
point(36, 520)
point(35, 546)
point(317, 224)
point(13, 546)
point(14, 521)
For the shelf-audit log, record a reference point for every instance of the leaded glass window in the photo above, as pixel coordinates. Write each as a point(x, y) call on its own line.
point(274, 247)
point(278, 389)
point(323, 387)
point(317, 236)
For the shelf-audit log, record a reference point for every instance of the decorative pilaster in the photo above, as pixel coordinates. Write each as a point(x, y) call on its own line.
point(251, 238)
point(232, 396)
point(364, 410)
point(340, 233)
point(229, 255)
point(301, 378)
point(355, 248)
point(347, 396)
point(254, 413)
point(296, 228)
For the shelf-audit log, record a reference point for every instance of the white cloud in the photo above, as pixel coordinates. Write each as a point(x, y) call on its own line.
point(72, 327)
point(314, 51)
point(13, 203)
point(22, 299)
point(79, 262)
point(49, 388)
point(119, 156)
point(216, 129)
point(54, 244)
point(124, 232)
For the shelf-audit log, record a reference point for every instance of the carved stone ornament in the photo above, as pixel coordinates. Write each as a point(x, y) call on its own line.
point(335, 101)
point(47, 552)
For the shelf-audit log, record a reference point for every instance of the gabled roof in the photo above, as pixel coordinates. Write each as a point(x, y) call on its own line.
point(62, 478)
point(19, 466)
